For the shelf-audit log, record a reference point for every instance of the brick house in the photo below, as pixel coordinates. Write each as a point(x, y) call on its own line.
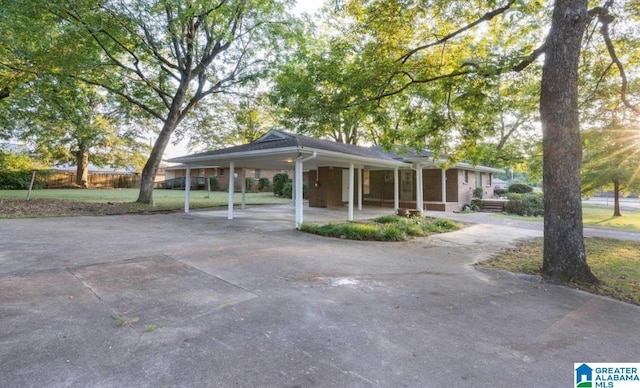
point(340, 174)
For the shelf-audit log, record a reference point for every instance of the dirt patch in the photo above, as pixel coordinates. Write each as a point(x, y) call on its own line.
point(20, 208)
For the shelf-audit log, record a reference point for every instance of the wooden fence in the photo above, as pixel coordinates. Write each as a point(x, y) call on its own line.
point(63, 179)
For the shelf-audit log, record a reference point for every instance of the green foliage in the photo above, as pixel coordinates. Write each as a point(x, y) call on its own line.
point(213, 183)
point(500, 192)
point(478, 192)
point(263, 184)
point(528, 204)
point(13, 161)
point(279, 180)
point(287, 190)
point(248, 183)
point(520, 188)
point(610, 160)
point(18, 180)
point(385, 228)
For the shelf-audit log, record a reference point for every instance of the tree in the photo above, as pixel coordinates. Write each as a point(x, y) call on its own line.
point(163, 58)
point(438, 54)
point(611, 162)
point(564, 254)
point(238, 120)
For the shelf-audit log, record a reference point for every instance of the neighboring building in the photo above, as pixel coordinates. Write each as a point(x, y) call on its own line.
point(174, 176)
point(500, 184)
point(329, 167)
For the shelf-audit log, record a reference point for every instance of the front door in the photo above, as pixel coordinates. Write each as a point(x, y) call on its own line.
point(406, 185)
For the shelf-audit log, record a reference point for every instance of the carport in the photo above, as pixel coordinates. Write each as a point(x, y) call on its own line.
point(278, 150)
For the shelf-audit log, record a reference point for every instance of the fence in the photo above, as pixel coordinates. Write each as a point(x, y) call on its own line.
point(62, 179)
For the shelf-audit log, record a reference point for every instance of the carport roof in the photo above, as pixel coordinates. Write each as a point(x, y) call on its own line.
point(278, 150)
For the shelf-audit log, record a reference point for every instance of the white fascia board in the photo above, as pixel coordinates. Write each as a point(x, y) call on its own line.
point(233, 155)
point(356, 158)
point(428, 162)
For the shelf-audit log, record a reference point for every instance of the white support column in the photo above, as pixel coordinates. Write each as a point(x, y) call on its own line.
point(243, 204)
point(187, 189)
point(444, 186)
point(351, 179)
point(297, 194)
point(419, 189)
point(396, 189)
point(231, 189)
point(360, 188)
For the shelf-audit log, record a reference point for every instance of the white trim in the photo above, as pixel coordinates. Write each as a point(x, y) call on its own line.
point(187, 189)
point(351, 184)
point(231, 190)
point(396, 189)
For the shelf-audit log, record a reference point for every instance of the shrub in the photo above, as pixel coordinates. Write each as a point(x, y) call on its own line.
point(530, 204)
point(213, 183)
point(263, 184)
point(478, 192)
point(287, 190)
point(248, 183)
point(520, 188)
point(279, 181)
point(500, 192)
point(20, 180)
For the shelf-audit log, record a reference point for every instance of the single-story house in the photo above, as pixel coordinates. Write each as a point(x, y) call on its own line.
point(339, 174)
point(199, 176)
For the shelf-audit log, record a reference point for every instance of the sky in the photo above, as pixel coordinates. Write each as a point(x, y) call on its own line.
point(302, 6)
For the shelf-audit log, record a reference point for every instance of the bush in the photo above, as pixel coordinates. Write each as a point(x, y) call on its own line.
point(530, 204)
point(263, 184)
point(20, 180)
point(213, 183)
point(287, 190)
point(248, 183)
point(279, 181)
point(520, 188)
point(500, 192)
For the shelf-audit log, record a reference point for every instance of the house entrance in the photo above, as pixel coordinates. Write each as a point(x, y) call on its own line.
point(406, 185)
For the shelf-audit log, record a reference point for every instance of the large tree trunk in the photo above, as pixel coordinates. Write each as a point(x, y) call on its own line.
point(148, 177)
point(82, 169)
point(564, 254)
point(616, 198)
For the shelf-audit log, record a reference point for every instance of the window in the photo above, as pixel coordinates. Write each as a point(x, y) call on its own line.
point(257, 173)
point(490, 180)
point(466, 177)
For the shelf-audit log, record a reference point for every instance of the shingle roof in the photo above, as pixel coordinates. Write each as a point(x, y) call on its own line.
point(275, 139)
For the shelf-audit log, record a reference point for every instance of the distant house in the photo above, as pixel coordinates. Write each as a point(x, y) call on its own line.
point(344, 174)
point(499, 184)
point(175, 174)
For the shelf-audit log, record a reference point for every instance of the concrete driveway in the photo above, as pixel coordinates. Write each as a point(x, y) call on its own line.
point(251, 303)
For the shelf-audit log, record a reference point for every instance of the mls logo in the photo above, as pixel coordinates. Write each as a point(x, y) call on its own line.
point(584, 376)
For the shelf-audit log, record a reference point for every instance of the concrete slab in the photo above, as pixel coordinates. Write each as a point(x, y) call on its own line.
point(251, 302)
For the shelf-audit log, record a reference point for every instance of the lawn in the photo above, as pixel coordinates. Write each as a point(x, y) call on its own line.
point(53, 202)
point(615, 262)
point(597, 216)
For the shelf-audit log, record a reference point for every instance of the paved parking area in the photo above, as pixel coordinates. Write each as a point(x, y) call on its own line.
point(249, 302)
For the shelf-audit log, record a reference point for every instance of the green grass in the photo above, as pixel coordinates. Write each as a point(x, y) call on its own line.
point(615, 262)
point(596, 216)
point(386, 228)
point(163, 199)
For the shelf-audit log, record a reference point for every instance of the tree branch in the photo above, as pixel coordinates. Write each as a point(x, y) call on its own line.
point(486, 17)
point(602, 13)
